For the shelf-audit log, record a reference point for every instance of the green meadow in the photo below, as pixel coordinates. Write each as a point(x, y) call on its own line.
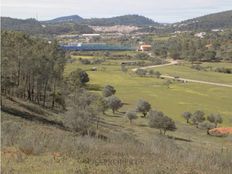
point(173, 101)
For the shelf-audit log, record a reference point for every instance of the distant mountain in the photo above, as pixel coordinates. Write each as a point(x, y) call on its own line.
point(30, 26)
point(208, 22)
point(119, 20)
point(34, 27)
point(73, 18)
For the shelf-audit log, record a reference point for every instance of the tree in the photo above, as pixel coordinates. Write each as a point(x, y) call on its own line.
point(187, 116)
point(198, 117)
point(206, 125)
point(124, 68)
point(76, 79)
point(168, 83)
point(141, 72)
point(215, 118)
point(101, 104)
point(78, 119)
point(160, 121)
point(142, 56)
point(210, 55)
point(157, 74)
point(175, 54)
point(114, 103)
point(108, 91)
point(131, 115)
point(32, 68)
point(84, 77)
point(143, 107)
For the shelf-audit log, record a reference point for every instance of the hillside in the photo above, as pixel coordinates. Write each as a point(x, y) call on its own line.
point(208, 22)
point(59, 111)
point(119, 20)
point(72, 18)
point(34, 27)
point(30, 26)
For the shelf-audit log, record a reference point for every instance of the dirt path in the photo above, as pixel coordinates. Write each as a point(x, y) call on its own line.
point(175, 62)
point(197, 81)
point(172, 62)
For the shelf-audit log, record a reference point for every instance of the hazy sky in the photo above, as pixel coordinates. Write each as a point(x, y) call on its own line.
point(158, 10)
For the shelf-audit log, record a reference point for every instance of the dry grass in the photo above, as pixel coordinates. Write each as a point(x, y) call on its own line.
point(29, 147)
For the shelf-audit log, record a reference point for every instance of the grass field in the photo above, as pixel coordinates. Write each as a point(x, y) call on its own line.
point(60, 151)
point(30, 146)
point(184, 71)
point(174, 100)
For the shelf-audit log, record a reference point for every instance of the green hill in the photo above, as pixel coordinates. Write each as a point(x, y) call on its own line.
point(72, 18)
point(119, 20)
point(30, 26)
point(208, 22)
point(35, 27)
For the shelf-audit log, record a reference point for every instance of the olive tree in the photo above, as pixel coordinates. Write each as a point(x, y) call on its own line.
point(215, 118)
point(198, 117)
point(108, 91)
point(131, 115)
point(187, 116)
point(114, 103)
point(84, 77)
point(168, 83)
point(141, 72)
point(160, 121)
point(76, 79)
point(143, 107)
point(206, 125)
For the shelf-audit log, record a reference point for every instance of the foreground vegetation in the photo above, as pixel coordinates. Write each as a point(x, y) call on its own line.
point(27, 146)
point(180, 97)
point(93, 114)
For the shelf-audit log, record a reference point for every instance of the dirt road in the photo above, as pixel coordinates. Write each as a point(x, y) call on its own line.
point(197, 81)
point(172, 62)
point(175, 62)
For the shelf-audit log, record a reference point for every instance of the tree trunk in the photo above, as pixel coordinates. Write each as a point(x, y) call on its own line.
point(29, 88)
point(45, 91)
point(54, 94)
point(19, 74)
point(97, 122)
point(144, 114)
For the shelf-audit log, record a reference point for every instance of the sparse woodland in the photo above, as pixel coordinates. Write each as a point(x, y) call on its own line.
point(32, 69)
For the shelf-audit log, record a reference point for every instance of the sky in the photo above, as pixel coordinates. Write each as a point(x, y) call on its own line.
point(165, 11)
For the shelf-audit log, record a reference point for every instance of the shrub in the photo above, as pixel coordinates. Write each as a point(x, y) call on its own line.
point(141, 72)
point(187, 116)
point(157, 74)
point(78, 119)
point(85, 61)
point(114, 103)
point(160, 121)
point(108, 91)
point(168, 83)
point(143, 107)
point(206, 125)
point(215, 118)
point(198, 117)
point(224, 70)
point(131, 115)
